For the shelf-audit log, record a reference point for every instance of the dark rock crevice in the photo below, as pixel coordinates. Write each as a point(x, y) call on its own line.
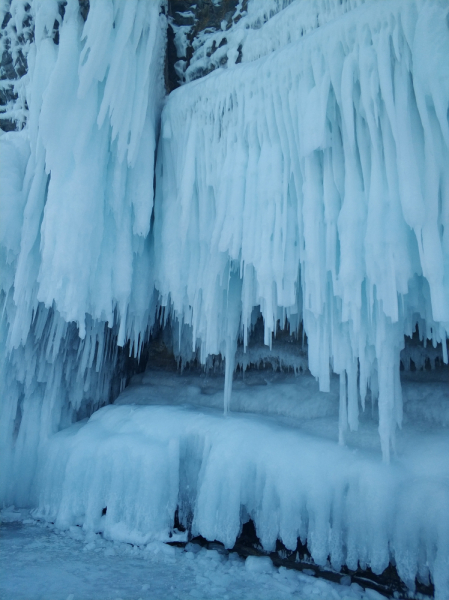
point(247, 544)
point(197, 16)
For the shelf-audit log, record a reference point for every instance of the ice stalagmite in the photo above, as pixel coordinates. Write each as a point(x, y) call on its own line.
point(77, 193)
point(318, 176)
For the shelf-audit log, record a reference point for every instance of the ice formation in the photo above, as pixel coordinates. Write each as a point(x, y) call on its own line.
point(313, 184)
point(77, 189)
point(265, 26)
point(308, 186)
point(220, 472)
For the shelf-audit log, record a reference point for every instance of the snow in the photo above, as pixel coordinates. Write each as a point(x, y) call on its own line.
point(307, 185)
point(161, 447)
point(75, 565)
point(16, 37)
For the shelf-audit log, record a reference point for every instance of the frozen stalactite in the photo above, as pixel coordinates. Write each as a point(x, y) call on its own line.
point(77, 201)
point(232, 319)
point(343, 410)
point(322, 171)
point(48, 380)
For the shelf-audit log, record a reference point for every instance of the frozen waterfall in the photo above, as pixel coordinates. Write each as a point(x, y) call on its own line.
point(77, 200)
point(313, 183)
point(307, 187)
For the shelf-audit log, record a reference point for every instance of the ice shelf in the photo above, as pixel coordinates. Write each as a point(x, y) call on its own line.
point(157, 450)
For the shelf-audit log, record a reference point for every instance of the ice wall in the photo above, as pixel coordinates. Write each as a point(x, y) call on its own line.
point(313, 183)
point(220, 472)
point(77, 201)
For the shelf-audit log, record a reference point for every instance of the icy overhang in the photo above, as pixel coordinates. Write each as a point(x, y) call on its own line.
point(313, 183)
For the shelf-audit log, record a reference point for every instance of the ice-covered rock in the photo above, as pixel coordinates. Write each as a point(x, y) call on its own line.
point(312, 184)
point(77, 201)
point(308, 186)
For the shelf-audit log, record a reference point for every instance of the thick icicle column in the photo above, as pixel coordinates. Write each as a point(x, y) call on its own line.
point(314, 184)
point(77, 200)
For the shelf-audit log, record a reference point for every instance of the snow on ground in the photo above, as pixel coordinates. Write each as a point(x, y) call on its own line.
point(41, 562)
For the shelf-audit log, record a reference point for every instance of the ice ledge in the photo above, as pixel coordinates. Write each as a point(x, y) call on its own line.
point(144, 462)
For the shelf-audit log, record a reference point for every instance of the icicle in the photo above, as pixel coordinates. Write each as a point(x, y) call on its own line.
point(73, 242)
point(232, 326)
point(343, 413)
point(353, 397)
point(305, 173)
point(229, 373)
point(444, 345)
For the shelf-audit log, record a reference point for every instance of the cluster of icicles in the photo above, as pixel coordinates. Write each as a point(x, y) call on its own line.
point(313, 183)
point(310, 184)
point(77, 201)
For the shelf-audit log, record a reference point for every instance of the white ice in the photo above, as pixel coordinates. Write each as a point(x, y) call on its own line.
point(161, 447)
point(76, 188)
point(308, 185)
point(312, 185)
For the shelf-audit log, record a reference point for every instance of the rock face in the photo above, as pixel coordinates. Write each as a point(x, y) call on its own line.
point(14, 41)
point(201, 36)
point(16, 35)
point(204, 35)
point(189, 22)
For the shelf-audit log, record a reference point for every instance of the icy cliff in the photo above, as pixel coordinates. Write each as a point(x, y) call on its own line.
point(313, 184)
point(77, 200)
point(307, 186)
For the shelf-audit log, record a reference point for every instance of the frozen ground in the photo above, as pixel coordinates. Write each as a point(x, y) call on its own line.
point(41, 563)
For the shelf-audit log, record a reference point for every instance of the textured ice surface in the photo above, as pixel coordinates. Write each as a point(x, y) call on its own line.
point(309, 185)
point(77, 200)
point(142, 458)
point(313, 184)
point(265, 392)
